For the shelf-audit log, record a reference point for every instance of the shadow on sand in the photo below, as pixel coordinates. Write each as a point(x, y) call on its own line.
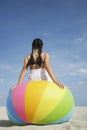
point(6, 123)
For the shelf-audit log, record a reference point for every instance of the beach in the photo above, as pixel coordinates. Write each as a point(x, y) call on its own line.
point(77, 122)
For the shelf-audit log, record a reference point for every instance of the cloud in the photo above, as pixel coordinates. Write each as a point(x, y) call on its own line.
point(5, 66)
point(45, 34)
point(3, 96)
point(78, 69)
point(77, 56)
point(66, 68)
point(79, 72)
point(81, 39)
point(9, 67)
point(1, 80)
point(81, 82)
point(12, 83)
point(85, 34)
point(79, 21)
point(83, 71)
point(71, 65)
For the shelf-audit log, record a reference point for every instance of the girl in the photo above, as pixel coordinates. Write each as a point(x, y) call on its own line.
point(39, 64)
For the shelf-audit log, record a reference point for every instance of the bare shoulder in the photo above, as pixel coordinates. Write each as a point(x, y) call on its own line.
point(26, 58)
point(46, 55)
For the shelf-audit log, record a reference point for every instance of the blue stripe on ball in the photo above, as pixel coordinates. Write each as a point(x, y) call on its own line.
point(11, 111)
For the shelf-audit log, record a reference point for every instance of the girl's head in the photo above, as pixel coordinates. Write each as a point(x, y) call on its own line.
point(37, 44)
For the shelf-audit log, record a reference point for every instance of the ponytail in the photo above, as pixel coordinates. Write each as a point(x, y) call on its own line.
point(39, 59)
point(37, 44)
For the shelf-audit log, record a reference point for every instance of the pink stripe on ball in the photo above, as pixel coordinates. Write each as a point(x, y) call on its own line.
point(18, 99)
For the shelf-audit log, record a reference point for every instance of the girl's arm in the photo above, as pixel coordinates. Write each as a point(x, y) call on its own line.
point(50, 71)
point(23, 71)
point(22, 74)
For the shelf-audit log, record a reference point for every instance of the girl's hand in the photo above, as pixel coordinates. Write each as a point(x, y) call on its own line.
point(60, 85)
point(10, 90)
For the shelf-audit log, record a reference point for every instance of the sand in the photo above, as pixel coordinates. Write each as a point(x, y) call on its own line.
point(77, 122)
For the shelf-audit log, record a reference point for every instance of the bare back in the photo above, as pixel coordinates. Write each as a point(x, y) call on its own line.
point(43, 56)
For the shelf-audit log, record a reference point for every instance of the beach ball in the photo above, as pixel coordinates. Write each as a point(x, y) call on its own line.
point(39, 102)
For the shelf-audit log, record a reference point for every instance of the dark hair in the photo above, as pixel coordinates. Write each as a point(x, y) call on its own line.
point(36, 44)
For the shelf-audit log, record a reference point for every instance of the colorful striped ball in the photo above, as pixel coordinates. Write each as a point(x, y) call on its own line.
point(39, 102)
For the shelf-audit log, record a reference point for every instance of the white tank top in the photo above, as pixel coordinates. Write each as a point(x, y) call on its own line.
point(39, 74)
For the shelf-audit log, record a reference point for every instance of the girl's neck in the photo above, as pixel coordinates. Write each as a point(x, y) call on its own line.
point(35, 51)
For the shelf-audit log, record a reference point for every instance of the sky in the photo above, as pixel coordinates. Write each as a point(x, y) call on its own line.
point(61, 24)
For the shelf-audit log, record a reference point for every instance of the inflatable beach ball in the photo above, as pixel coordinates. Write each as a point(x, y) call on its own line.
point(39, 102)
